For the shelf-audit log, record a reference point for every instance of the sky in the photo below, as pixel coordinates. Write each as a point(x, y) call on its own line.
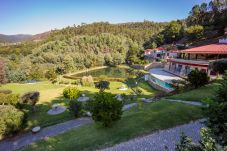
point(37, 16)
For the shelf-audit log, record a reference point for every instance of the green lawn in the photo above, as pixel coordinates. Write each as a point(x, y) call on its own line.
point(149, 118)
point(199, 94)
point(50, 94)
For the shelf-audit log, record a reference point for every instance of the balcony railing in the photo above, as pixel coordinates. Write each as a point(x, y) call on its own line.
point(200, 62)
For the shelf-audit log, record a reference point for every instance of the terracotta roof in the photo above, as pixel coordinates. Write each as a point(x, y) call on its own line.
point(208, 49)
point(174, 51)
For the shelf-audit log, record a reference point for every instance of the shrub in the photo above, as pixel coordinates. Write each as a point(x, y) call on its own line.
point(9, 99)
point(54, 81)
point(50, 74)
point(71, 93)
point(6, 91)
point(31, 98)
point(11, 119)
point(87, 81)
point(102, 85)
point(207, 143)
point(219, 65)
point(105, 108)
point(197, 78)
point(76, 82)
point(75, 107)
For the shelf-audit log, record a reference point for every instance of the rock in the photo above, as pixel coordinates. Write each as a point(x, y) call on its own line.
point(119, 97)
point(36, 129)
point(88, 114)
point(83, 99)
point(146, 100)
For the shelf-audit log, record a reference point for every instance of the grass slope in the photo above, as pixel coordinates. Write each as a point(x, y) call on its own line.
point(136, 122)
point(50, 94)
point(199, 94)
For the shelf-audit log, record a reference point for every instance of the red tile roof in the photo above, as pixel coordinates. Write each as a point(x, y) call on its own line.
point(208, 49)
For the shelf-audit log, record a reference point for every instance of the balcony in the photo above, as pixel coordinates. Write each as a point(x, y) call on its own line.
point(184, 61)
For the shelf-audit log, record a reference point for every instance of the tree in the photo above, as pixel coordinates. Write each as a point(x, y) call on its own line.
point(50, 74)
point(217, 113)
point(68, 63)
point(31, 98)
point(195, 32)
point(173, 32)
point(117, 59)
point(197, 78)
point(219, 66)
point(102, 85)
point(105, 108)
point(36, 73)
point(71, 93)
point(2, 72)
point(16, 76)
point(75, 107)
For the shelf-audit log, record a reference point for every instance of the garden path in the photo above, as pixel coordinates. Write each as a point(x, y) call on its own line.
point(28, 138)
point(161, 140)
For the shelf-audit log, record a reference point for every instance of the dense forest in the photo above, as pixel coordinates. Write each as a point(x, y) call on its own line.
point(205, 21)
point(87, 45)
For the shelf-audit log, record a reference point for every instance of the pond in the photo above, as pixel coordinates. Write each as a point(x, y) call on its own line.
point(112, 72)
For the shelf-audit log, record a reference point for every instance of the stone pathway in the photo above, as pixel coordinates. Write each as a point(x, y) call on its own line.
point(28, 138)
point(164, 140)
point(128, 106)
point(187, 102)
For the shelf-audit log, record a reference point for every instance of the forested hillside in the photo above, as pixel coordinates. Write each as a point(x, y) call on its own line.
point(102, 43)
point(79, 47)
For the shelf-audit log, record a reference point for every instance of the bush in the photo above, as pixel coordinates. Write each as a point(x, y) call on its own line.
point(87, 81)
point(197, 78)
point(51, 75)
point(31, 98)
point(9, 99)
point(11, 120)
point(105, 108)
point(76, 82)
point(102, 85)
point(222, 90)
point(207, 143)
point(71, 93)
point(219, 66)
point(6, 91)
point(75, 107)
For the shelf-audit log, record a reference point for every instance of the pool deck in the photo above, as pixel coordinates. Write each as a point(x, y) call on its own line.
point(160, 74)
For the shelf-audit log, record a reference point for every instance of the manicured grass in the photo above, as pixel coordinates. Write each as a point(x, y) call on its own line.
point(135, 122)
point(50, 94)
point(199, 94)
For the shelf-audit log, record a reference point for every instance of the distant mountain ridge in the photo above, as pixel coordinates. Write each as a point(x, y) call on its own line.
point(14, 38)
point(22, 37)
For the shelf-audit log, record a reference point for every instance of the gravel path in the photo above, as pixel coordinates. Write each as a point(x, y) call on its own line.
point(28, 138)
point(195, 103)
point(160, 141)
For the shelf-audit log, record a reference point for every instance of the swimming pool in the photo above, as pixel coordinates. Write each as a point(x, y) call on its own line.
point(161, 83)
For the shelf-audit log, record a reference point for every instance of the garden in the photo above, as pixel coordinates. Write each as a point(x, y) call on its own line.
point(51, 94)
point(46, 103)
